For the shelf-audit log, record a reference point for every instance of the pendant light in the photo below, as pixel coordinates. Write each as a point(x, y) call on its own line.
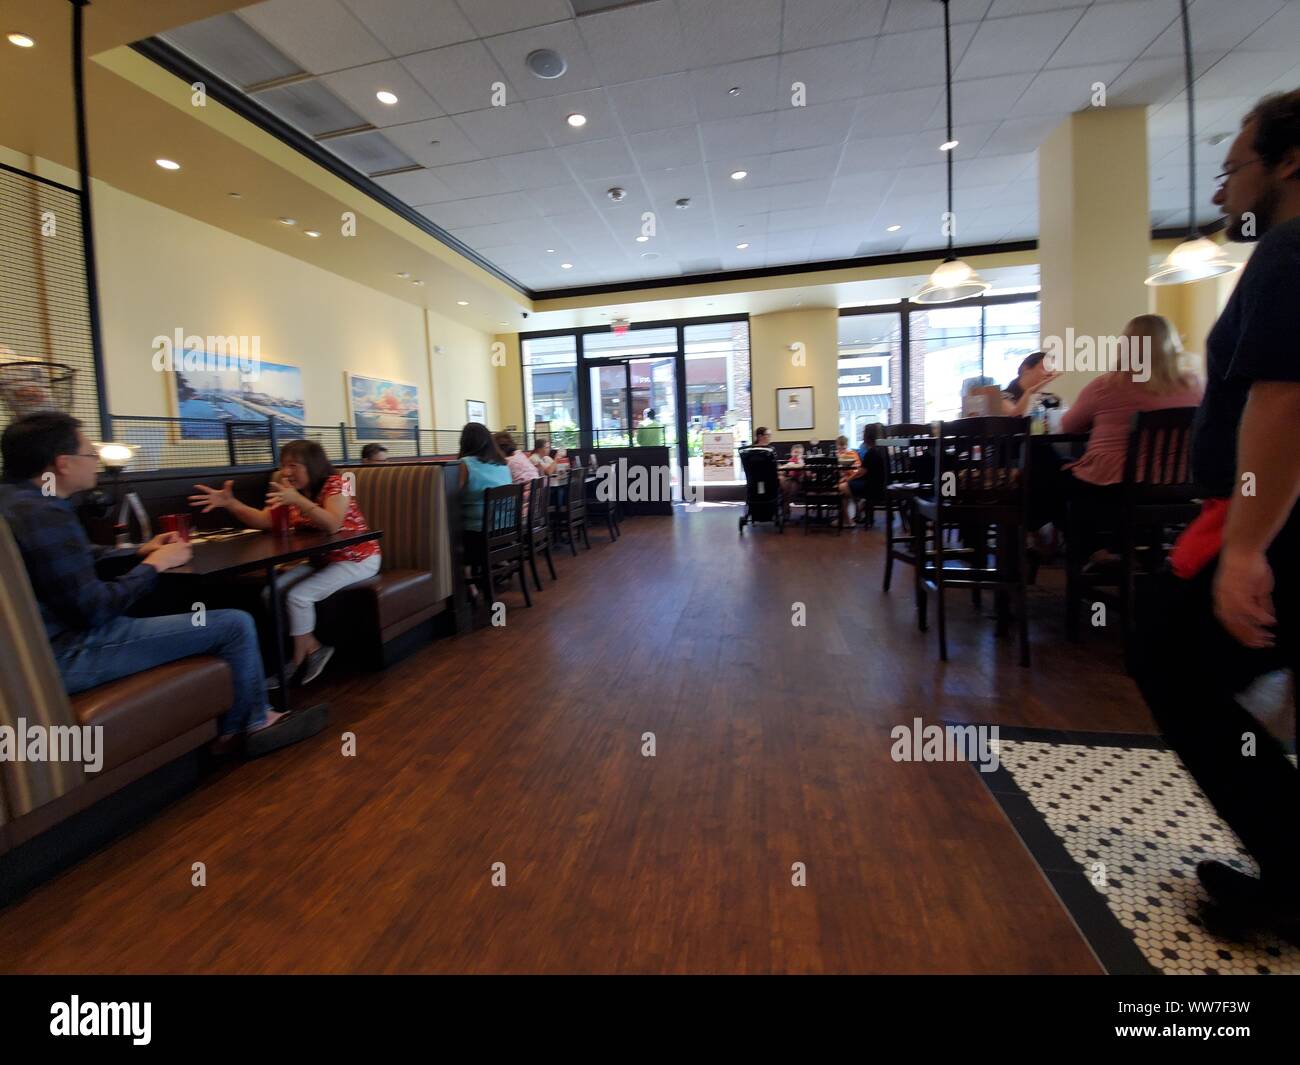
point(1197, 257)
point(952, 279)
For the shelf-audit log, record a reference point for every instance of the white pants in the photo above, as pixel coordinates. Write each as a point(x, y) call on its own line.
point(304, 587)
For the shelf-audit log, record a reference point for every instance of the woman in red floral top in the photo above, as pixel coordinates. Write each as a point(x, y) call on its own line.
point(317, 498)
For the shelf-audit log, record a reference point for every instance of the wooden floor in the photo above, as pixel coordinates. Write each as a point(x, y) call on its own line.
point(522, 745)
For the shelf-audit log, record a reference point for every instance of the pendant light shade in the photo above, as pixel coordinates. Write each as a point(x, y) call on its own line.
point(952, 279)
point(1197, 257)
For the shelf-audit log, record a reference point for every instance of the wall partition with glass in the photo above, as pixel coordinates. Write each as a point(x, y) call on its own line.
point(661, 383)
point(904, 362)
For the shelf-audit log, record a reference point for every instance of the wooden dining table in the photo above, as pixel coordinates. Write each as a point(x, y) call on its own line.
point(249, 550)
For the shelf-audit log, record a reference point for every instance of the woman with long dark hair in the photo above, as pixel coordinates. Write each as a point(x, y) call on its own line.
point(317, 498)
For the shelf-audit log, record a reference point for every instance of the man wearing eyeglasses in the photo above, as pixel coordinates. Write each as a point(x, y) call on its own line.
point(1230, 610)
point(47, 459)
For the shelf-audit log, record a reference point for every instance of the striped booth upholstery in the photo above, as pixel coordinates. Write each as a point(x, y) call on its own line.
point(407, 502)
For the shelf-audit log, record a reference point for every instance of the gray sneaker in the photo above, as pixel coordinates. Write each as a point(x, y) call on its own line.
point(314, 664)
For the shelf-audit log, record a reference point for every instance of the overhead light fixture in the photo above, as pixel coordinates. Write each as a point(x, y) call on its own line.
point(742, 247)
point(417, 282)
point(288, 221)
point(948, 145)
point(404, 274)
point(386, 97)
point(462, 303)
point(577, 121)
point(617, 194)
point(234, 195)
point(21, 40)
point(546, 63)
point(952, 279)
point(892, 229)
point(550, 251)
point(115, 456)
point(735, 90)
point(312, 232)
point(1197, 257)
point(566, 266)
point(168, 164)
point(683, 203)
point(739, 175)
point(642, 239)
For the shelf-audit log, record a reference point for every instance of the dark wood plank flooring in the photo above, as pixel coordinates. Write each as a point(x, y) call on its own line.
point(522, 745)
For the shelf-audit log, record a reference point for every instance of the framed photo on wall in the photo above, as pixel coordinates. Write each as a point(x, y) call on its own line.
point(382, 409)
point(210, 387)
point(476, 411)
point(794, 408)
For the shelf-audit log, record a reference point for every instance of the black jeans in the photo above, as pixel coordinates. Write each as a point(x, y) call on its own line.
point(1190, 670)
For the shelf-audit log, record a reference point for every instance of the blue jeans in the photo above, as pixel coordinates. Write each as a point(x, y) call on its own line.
point(131, 645)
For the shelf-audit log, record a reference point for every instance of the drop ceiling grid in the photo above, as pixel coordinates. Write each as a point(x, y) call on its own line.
point(1019, 61)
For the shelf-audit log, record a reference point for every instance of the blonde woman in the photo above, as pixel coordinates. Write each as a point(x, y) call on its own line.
point(1105, 409)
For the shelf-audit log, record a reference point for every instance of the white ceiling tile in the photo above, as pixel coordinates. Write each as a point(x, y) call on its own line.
point(550, 114)
point(636, 42)
point(1020, 43)
point(812, 127)
point(926, 14)
point(559, 199)
point(503, 130)
point(721, 31)
point(812, 22)
point(406, 26)
point(1216, 26)
point(357, 88)
point(655, 103)
point(1281, 31)
point(782, 219)
point(417, 139)
point(726, 138)
point(803, 164)
point(877, 154)
point(675, 183)
point(503, 16)
point(479, 178)
point(801, 194)
point(534, 170)
point(1021, 134)
point(1112, 32)
point(894, 112)
point(598, 159)
point(981, 99)
point(461, 77)
point(757, 80)
point(831, 72)
point(914, 60)
point(1152, 82)
point(665, 148)
point(511, 207)
point(511, 50)
point(457, 214)
point(991, 170)
point(322, 35)
point(1234, 72)
point(417, 187)
point(1065, 89)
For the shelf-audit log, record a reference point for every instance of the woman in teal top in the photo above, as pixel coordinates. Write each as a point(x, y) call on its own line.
point(482, 466)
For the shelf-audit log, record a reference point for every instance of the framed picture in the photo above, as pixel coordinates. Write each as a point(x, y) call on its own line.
point(227, 394)
point(476, 411)
point(382, 409)
point(794, 408)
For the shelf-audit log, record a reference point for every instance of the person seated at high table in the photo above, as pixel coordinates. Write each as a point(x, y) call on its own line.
point(867, 484)
point(1031, 378)
point(482, 466)
point(540, 455)
point(789, 480)
point(372, 454)
point(317, 498)
point(850, 467)
point(47, 459)
point(1105, 409)
point(518, 463)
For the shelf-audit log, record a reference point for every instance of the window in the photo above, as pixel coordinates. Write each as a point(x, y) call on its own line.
point(717, 389)
point(870, 371)
point(551, 387)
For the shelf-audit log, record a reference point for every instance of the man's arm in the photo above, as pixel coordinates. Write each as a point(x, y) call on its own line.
point(1268, 485)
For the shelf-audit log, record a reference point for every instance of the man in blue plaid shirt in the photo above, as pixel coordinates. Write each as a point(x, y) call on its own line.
point(47, 459)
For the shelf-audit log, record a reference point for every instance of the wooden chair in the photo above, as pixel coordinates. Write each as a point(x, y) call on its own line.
point(605, 510)
point(981, 480)
point(571, 515)
point(1157, 493)
point(908, 469)
point(537, 531)
point(819, 493)
point(501, 552)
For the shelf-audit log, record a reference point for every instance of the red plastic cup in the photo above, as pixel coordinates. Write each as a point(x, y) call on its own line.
point(280, 521)
point(177, 523)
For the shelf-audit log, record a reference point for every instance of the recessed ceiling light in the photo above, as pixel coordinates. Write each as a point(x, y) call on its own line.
point(948, 146)
point(167, 164)
point(642, 239)
point(404, 274)
point(649, 255)
point(462, 303)
point(892, 229)
point(233, 195)
point(739, 175)
point(734, 91)
point(577, 121)
point(386, 97)
point(312, 232)
point(417, 283)
point(742, 247)
point(566, 266)
point(550, 251)
point(288, 221)
point(21, 40)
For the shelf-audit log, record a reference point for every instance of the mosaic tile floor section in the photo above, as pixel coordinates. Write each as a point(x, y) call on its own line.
point(1124, 827)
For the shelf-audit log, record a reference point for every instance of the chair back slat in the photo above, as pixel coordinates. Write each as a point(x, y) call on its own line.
point(1157, 464)
point(982, 461)
point(821, 473)
point(539, 502)
point(575, 504)
point(503, 514)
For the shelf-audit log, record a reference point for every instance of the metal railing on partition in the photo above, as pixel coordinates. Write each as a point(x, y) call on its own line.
point(208, 443)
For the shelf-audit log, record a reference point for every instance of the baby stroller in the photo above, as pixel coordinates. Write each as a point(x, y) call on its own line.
point(762, 488)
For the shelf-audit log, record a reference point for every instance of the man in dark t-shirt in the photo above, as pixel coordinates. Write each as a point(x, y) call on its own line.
point(1211, 629)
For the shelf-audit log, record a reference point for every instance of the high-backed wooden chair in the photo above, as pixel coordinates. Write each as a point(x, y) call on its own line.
point(501, 553)
point(537, 532)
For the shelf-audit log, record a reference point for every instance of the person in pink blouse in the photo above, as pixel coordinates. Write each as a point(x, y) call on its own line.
point(1105, 408)
point(519, 463)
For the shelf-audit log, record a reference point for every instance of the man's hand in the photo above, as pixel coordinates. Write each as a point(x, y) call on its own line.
point(169, 556)
point(1243, 597)
point(150, 546)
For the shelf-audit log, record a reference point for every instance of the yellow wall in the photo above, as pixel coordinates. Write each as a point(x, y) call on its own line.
point(510, 388)
point(773, 366)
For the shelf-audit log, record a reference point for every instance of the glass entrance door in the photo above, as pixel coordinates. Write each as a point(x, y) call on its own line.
point(653, 390)
point(611, 420)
